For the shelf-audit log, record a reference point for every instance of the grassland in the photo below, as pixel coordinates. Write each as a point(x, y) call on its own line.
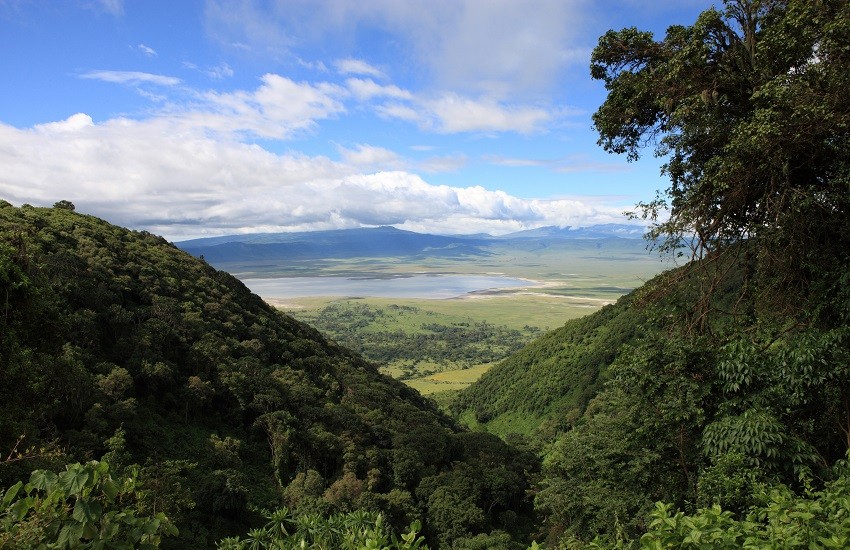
point(570, 278)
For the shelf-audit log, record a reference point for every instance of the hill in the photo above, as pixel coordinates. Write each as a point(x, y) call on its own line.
point(547, 384)
point(695, 389)
point(116, 343)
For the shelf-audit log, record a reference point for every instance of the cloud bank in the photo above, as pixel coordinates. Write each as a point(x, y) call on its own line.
point(172, 176)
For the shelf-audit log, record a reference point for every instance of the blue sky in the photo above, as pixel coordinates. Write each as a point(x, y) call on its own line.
point(201, 118)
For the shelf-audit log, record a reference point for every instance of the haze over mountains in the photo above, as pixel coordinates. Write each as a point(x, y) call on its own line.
point(386, 241)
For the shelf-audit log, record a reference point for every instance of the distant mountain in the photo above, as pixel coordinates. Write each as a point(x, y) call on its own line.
point(600, 231)
point(380, 242)
point(340, 243)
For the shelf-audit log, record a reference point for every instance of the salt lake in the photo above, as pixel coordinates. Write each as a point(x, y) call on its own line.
point(433, 286)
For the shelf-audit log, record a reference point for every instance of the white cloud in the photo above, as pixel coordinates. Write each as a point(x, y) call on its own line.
point(451, 113)
point(358, 67)
point(494, 47)
point(172, 179)
point(367, 89)
point(370, 156)
point(399, 111)
point(73, 123)
point(277, 109)
point(146, 50)
point(131, 77)
point(565, 165)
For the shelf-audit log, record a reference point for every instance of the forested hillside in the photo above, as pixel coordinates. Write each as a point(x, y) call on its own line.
point(117, 344)
point(724, 383)
point(548, 383)
point(708, 409)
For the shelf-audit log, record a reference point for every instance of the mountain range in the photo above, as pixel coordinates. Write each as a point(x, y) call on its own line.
point(384, 241)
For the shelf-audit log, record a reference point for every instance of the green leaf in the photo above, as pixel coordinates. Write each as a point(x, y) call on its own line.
point(19, 509)
point(11, 493)
point(110, 489)
point(73, 480)
point(43, 480)
point(70, 535)
point(85, 511)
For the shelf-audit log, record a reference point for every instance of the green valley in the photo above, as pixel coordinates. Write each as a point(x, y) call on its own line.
point(149, 399)
point(439, 346)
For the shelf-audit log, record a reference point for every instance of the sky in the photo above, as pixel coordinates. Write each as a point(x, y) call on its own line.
point(200, 118)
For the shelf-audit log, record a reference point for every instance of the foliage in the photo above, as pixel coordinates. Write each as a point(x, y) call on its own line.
point(750, 107)
point(117, 343)
point(816, 519)
point(637, 443)
point(81, 507)
point(358, 530)
point(731, 375)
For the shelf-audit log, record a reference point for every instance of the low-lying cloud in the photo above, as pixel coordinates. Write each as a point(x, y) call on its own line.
point(177, 179)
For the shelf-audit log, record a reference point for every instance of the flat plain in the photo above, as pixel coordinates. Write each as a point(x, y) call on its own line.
point(438, 346)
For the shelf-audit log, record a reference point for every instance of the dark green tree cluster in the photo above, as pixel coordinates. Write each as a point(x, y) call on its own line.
point(115, 343)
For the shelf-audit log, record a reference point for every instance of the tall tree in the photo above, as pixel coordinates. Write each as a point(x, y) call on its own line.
point(751, 108)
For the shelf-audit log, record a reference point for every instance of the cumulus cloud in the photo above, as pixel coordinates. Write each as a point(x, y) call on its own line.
point(277, 109)
point(184, 182)
point(73, 123)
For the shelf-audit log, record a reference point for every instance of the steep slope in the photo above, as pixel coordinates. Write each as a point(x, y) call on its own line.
point(546, 386)
point(549, 382)
point(115, 342)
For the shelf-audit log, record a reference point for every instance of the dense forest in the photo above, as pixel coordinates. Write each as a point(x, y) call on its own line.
point(721, 388)
point(116, 344)
point(149, 399)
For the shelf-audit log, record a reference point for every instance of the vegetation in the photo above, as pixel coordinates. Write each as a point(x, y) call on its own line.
point(547, 385)
point(81, 507)
point(351, 531)
point(708, 409)
point(411, 343)
point(117, 344)
point(726, 380)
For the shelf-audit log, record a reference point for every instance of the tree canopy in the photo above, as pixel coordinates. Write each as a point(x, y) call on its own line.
point(750, 106)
